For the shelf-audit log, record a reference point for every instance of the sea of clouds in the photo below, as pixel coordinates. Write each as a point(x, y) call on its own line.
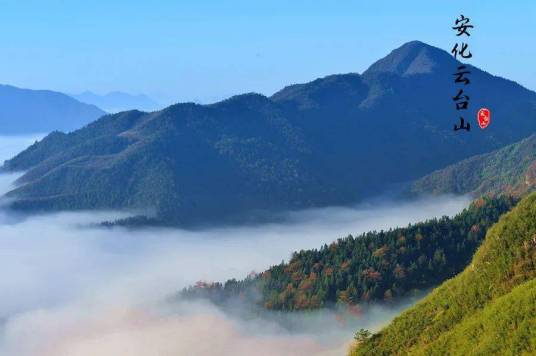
point(69, 288)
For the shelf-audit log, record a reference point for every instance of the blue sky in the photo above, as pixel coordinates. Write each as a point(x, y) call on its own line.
point(206, 50)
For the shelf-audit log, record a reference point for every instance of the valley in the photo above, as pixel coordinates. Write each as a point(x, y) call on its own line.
point(267, 178)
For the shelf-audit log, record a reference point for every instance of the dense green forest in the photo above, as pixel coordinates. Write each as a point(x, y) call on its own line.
point(373, 266)
point(489, 309)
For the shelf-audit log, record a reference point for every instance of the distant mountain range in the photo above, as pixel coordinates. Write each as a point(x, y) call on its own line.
point(332, 141)
point(24, 111)
point(118, 101)
point(511, 170)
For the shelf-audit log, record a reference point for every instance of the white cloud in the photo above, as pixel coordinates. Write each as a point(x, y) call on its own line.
point(71, 289)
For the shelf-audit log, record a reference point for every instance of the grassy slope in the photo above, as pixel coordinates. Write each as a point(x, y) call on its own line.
point(480, 311)
point(510, 319)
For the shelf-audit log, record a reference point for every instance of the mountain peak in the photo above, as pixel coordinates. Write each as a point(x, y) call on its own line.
point(411, 58)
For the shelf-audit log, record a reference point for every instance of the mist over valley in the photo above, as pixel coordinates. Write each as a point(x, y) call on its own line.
point(66, 271)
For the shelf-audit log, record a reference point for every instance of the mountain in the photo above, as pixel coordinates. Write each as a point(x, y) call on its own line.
point(511, 169)
point(488, 309)
point(116, 101)
point(25, 111)
point(332, 141)
point(376, 266)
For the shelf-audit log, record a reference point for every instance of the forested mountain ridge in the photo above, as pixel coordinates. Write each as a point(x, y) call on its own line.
point(376, 266)
point(488, 309)
point(511, 170)
point(24, 111)
point(333, 141)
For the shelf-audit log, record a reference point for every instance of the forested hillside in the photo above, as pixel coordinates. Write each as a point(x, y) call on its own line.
point(510, 170)
point(489, 309)
point(374, 266)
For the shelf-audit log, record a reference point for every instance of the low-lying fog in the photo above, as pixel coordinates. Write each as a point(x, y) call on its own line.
point(73, 290)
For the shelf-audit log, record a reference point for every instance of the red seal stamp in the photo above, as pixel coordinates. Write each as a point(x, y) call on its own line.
point(484, 118)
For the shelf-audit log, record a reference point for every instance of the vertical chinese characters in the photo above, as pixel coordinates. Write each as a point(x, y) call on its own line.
point(461, 50)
